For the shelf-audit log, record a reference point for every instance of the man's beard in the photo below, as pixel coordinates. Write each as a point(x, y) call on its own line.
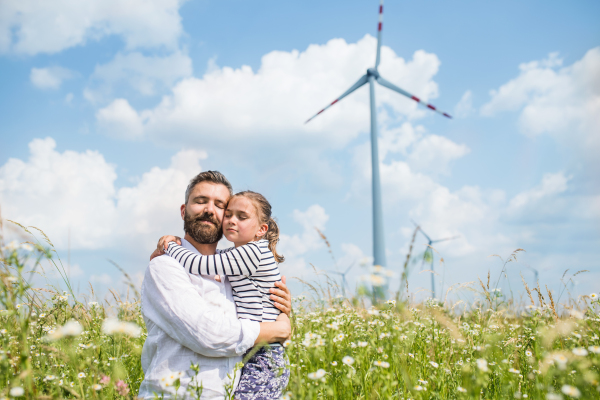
point(200, 232)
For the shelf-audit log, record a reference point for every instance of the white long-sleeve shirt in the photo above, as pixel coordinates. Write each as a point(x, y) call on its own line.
point(190, 319)
point(252, 272)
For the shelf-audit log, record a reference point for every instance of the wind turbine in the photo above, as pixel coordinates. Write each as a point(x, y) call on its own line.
point(429, 251)
point(343, 275)
point(371, 77)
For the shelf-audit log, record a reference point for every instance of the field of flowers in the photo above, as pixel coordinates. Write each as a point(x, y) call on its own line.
point(54, 344)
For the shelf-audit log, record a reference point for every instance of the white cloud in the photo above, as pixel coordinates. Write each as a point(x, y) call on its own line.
point(104, 279)
point(39, 26)
point(268, 107)
point(70, 190)
point(294, 247)
point(145, 74)
point(49, 78)
point(464, 108)
point(563, 102)
point(120, 120)
point(540, 200)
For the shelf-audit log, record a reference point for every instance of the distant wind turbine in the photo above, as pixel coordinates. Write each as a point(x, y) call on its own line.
point(343, 275)
point(371, 77)
point(429, 251)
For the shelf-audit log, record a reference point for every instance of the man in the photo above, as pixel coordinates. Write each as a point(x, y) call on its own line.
point(192, 319)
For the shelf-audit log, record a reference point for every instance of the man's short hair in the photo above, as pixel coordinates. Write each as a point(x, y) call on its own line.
point(208, 176)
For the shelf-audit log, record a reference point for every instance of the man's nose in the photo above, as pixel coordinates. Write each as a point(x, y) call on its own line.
point(210, 208)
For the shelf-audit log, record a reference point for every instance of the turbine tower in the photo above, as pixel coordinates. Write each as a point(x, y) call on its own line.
point(371, 77)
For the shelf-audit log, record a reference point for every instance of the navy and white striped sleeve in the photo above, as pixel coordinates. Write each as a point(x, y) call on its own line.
point(238, 261)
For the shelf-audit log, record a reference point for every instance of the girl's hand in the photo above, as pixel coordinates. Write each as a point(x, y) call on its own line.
point(164, 241)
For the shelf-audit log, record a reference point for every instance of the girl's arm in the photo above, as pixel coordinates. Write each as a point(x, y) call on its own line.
point(243, 260)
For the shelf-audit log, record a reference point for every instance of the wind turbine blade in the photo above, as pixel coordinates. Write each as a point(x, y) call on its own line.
point(379, 26)
point(395, 88)
point(442, 240)
point(349, 268)
point(427, 236)
point(358, 84)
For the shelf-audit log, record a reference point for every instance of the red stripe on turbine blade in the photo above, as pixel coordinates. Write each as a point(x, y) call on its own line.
point(320, 112)
point(430, 106)
point(379, 26)
point(415, 98)
point(335, 101)
point(381, 9)
point(446, 115)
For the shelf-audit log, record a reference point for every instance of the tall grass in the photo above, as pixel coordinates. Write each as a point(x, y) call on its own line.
point(56, 344)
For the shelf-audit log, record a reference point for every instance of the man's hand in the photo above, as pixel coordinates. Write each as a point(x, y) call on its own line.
point(282, 297)
point(162, 244)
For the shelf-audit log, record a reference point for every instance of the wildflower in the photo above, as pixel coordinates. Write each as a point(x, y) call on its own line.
point(123, 389)
point(594, 349)
point(61, 382)
point(112, 326)
point(96, 387)
point(576, 314)
point(166, 382)
point(571, 391)
point(3, 331)
point(418, 388)
point(411, 355)
point(340, 336)
point(528, 353)
point(434, 364)
point(514, 371)
point(580, 351)
point(381, 364)
point(553, 396)
point(72, 384)
point(317, 375)
point(42, 315)
point(362, 344)
point(17, 391)
point(593, 296)
point(71, 328)
point(287, 396)
point(105, 380)
point(81, 375)
point(424, 382)
point(482, 365)
point(49, 378)
point(461, 389)
point(287, 343)
point(11, 278)
point(348, 360)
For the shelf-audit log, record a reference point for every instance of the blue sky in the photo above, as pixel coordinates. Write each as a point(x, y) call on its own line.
point(108, 110)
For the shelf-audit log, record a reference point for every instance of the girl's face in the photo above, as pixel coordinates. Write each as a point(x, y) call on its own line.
point(240, 223)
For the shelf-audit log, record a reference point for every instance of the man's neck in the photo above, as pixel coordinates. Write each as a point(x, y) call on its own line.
point(204, 249)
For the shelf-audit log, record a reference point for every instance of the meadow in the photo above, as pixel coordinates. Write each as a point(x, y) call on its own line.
point(56, 344)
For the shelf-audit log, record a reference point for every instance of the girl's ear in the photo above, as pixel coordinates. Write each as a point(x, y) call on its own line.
point(262, 230)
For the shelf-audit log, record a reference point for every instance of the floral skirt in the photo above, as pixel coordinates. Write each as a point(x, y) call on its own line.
point(264, 376)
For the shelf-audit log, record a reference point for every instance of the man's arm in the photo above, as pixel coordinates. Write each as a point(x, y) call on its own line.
point(172, 302)
point(278, 331)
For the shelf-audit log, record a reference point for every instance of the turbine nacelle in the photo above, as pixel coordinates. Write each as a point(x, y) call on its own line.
point(373, 72)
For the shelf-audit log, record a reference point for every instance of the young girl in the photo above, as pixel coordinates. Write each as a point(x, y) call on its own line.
point(251, 267)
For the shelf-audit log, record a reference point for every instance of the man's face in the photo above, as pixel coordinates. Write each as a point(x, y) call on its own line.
point(203, 214)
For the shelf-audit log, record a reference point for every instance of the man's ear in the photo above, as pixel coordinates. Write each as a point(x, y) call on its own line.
point(183, 212)
point(262, 231)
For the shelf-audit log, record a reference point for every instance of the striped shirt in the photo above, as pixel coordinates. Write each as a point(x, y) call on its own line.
point(251, 270)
